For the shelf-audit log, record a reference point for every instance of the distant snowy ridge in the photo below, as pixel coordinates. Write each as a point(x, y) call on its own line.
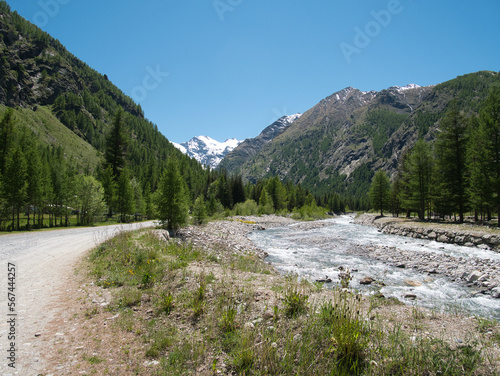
point(206, 150)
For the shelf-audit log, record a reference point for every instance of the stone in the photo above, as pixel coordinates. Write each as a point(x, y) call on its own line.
point(443, 239)
point(474, 276)
point(495, 293)
point(249, 326)
point(410, 296)
point(366, 281)
point(413, 283)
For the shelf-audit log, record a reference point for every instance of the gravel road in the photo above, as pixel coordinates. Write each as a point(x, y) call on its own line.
point(43, 271)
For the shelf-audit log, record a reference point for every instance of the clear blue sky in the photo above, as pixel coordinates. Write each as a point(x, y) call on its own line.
point(228, 68)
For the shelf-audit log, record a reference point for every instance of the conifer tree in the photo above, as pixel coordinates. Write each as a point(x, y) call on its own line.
point(116, 146)
point(35, 182)
point(380, 190)
point(451, 147)
point(172, 200)
point(478, 158)
point(124, 195)
point(490, 121)
point(418, 178)
point(7, 133)
point(199, 210)
point(15, 184)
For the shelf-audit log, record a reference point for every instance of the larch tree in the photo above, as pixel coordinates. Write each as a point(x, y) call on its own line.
point(380, 191)
point(173, 204)
point(490, 119)
point(15, 184)
point(418, 179)
point(451, 147)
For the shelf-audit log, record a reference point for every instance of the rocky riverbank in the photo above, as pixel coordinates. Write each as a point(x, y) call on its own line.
point(232, 233)
point(481, 274)
point(464, 234)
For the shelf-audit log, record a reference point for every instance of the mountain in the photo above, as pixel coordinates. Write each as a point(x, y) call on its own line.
point(63, 103)
point(251, 146)
point(339, 143)
point(206, 150)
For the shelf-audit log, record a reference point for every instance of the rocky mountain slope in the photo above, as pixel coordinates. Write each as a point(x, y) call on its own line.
point(206, 150)
point(251, 146)
point(339, 143)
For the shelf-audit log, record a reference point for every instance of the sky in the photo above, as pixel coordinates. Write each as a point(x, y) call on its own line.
point(229, 68)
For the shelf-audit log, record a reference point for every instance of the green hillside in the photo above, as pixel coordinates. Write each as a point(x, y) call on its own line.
point(337, 145)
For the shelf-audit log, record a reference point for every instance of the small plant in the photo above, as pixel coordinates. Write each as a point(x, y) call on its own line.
point(94, 359)
point(345, 279)
point(227, 320)
point(166, 303)
point(295, 303)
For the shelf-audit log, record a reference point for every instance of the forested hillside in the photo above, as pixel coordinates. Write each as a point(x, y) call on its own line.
point(337, 145)
point(74, 149)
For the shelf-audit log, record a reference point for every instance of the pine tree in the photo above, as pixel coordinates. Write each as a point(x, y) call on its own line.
point(418, 178)
point(199, 210)
point(116, 146)
point(15, 184)
point(7, 135)
point(380, 190)
point(172, 201)
point(451, 149)
point(490, 119)
point(35, 181)
point(124, 195)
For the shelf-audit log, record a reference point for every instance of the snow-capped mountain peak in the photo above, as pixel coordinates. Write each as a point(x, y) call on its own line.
point(206, 150)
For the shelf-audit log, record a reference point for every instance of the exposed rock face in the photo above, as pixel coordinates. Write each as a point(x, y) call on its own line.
point(251, 146)
point(340, 140)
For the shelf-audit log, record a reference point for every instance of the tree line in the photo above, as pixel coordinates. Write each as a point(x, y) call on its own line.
point(456, 174)
point(45, 188)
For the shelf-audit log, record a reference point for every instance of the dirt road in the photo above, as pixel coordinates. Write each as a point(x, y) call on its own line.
point(41, 266)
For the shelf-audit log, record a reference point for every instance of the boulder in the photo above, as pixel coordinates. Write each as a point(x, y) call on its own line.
point(366, 281)
point(474, 276)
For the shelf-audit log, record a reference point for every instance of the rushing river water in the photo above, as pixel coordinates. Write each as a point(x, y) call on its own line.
point(316, 250)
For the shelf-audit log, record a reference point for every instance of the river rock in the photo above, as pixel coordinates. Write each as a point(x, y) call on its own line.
point(410, 296)
point(413, 283)
point(474, 276)
point(495, 293)
point(366, 281)
point(443, 239)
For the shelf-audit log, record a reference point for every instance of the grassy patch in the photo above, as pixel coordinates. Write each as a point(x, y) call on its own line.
point(193, 314)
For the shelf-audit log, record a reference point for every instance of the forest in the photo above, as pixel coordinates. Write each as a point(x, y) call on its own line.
point(456, 175)
point(40, 187)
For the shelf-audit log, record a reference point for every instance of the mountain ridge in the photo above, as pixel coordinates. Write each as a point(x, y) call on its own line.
point(206, 150)
point(337, 144)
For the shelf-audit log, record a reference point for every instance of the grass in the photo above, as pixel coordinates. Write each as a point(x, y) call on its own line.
point(196, 314)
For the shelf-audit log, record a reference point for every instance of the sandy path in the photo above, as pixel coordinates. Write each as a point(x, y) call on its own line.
point(44, 268)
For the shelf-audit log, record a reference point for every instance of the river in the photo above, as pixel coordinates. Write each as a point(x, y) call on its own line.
point(314, 250)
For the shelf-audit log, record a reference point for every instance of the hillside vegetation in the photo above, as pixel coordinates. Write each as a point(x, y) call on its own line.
point(337, 145)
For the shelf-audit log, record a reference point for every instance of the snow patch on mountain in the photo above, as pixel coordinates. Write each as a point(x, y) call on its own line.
point(206, 150)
